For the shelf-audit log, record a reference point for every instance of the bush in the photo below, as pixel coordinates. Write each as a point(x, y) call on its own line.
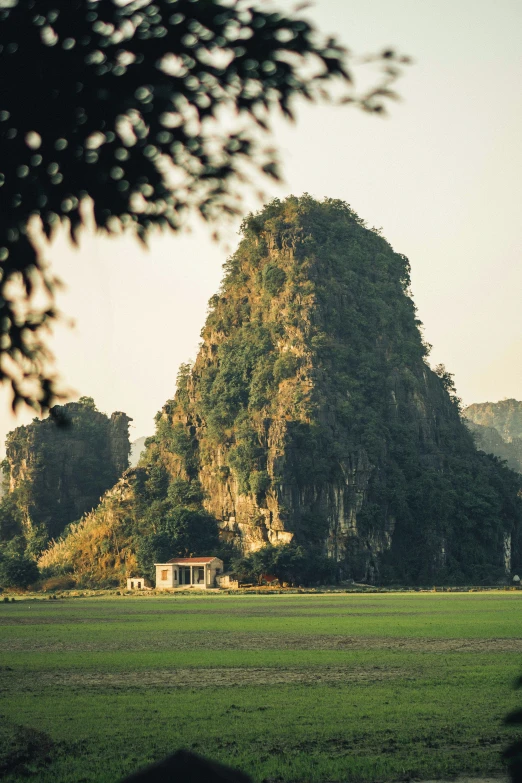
point(18, 571)
point(274, 279)
point(285, 367)
point(259, 481)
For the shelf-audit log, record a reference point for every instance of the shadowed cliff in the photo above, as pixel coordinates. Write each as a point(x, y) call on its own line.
point(57, 469)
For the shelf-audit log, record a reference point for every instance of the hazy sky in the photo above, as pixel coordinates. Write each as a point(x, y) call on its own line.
point(441, 175)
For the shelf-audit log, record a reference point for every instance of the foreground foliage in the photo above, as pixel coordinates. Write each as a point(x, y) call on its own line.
point(129, 105)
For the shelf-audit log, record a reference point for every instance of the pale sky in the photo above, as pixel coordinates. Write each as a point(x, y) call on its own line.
point(441, 176)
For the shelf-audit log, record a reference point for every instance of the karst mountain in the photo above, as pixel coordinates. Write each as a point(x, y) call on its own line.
point(310, 415)
point(57, 469)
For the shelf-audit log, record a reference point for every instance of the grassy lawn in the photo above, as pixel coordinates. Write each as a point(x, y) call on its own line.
point(330, 687)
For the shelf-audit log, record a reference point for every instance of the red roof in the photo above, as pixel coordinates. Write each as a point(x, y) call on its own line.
point(191, 560)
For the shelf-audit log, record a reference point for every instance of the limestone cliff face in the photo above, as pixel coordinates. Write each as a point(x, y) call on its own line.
point(311, 415)
point(293, 501)
point(119, 443)
point(59, 468)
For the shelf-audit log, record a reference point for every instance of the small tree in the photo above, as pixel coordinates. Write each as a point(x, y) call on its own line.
point(288, 562)
point(88, 402)
point(17, 571)
point(154, 548)
point(10, 518)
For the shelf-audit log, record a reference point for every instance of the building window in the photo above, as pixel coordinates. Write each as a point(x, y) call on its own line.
point(175, 575)
point(164, 575)
point(132, 585)
point(139, 585)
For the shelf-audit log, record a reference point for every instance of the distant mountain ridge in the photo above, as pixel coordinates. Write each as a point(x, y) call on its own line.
point(497, 429)
point(137, 449)
point(505, 416)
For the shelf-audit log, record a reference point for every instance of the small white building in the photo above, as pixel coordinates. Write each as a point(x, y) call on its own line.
point(136, 583)
point(198, 572)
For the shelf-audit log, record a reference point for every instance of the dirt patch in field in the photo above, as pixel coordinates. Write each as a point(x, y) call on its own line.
point(36, 619)
point(272, 641)
point(408, 644)
point(136, 617)
point(212, 640)
point(196, 678)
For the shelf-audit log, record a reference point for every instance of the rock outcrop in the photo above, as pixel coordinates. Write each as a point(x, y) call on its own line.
point(311, 414)
point(58, 468)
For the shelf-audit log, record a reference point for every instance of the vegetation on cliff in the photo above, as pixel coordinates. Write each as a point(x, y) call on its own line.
point(56, 470)
point(311, 417)
point(147, 517)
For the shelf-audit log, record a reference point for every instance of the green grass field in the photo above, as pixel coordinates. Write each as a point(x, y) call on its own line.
point(330, 687)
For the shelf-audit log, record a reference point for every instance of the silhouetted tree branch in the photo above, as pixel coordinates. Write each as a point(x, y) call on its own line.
point(151, 110)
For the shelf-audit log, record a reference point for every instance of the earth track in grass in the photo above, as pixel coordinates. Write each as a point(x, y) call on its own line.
point(197, 678)
point(39, 620)
point(207, 640)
